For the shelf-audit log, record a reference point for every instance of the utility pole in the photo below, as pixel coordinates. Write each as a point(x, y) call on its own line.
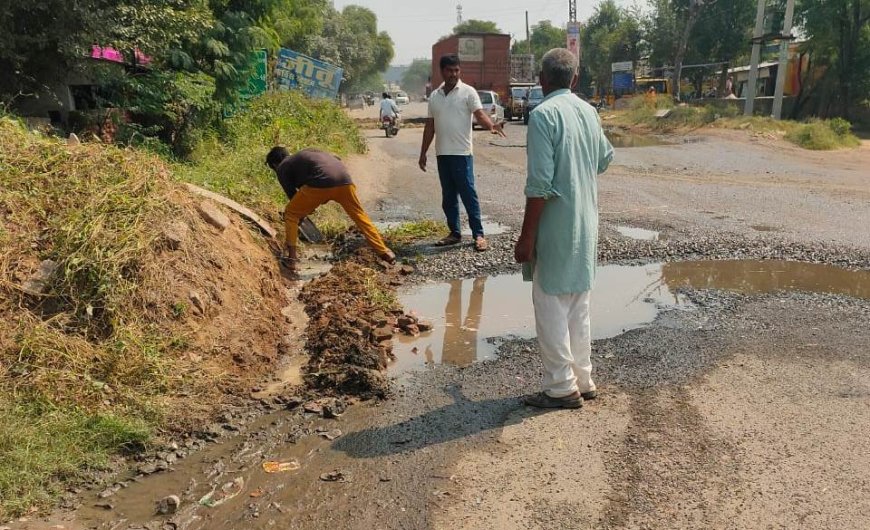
point(782, 68)
point(528, 35)
point(757, 37)
point(458, 14)
point(572, 10)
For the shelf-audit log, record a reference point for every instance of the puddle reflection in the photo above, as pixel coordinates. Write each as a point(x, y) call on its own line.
point(466, 313)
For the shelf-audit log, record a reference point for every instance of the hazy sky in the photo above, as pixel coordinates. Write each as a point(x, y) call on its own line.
point(415, 25)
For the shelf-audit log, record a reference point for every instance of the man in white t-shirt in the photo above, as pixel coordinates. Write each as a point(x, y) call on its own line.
point(389, 108)
point(451, 107)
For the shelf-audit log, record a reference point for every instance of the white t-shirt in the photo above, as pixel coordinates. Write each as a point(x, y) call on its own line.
point(389, 108)
point(452, 114)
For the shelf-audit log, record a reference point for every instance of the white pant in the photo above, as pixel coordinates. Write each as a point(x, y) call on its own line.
point(565, 340)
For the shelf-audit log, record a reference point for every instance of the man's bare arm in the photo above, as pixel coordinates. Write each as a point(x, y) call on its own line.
point(428, 136)
point(494, 128)
point(525, 247)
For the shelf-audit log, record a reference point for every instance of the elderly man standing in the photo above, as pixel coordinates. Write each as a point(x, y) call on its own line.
point(567, 150)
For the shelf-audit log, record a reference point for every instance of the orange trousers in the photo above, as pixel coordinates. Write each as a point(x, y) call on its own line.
point(307, 199)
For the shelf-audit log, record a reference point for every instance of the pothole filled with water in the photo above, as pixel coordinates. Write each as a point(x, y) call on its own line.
point(620, 138)
point(468, 314)
point(639, 234)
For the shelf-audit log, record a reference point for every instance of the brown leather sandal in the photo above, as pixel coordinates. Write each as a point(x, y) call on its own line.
point(448, 241)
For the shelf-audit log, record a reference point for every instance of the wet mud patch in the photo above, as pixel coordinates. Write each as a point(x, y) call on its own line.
point(352, 313)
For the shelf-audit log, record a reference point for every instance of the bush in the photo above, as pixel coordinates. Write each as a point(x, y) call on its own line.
point(233, 163)
point(823, 135)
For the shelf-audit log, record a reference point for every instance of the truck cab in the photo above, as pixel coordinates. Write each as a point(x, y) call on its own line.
point(516, 103)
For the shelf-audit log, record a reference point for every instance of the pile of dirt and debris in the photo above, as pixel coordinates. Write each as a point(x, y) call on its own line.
point(121, 291)
point(353, 316)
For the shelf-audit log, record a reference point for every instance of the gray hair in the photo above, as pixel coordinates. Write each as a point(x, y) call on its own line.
point(558, 67)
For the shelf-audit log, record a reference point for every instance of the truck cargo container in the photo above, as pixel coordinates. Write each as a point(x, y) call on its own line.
point(485, 57)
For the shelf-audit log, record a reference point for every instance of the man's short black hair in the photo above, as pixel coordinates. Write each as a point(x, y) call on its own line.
point(385, 95)
point(449, 60)
point(276, 156)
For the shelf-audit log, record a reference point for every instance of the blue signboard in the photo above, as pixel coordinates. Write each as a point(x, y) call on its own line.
point(316, 78)
point(623, 80)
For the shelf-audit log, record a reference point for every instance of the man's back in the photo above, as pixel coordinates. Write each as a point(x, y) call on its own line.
point(389, 108)
point(567, 149)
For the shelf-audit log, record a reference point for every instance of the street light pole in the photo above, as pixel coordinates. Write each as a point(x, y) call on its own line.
point(782, 68)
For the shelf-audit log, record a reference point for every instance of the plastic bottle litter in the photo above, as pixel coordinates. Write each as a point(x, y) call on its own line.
point(229, 490)
point(278, 467)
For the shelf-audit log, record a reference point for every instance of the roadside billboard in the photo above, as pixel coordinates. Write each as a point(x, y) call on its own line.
point(573, 43)
point(316, 78)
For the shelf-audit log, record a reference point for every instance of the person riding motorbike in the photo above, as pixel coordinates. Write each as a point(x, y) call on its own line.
point(389, 108)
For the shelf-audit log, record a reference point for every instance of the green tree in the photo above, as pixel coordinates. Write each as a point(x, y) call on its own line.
point(476, 26)
point(838, 41)
point(543, 37)
point(612, 34)
point(417, 75)
point(350, 39)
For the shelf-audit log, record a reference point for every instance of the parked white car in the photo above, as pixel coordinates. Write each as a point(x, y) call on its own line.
point(491, 105)
point(402, 98)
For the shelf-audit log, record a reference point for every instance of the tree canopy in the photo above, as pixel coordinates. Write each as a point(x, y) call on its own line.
point(476, 26)
point(544, 36)
point(417, 75)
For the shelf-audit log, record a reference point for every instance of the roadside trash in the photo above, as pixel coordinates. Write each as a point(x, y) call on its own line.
point(256, 493)
point(330, 435)
point(334, 476)
point(278, 467)
point(227, 492)
point(168, 504)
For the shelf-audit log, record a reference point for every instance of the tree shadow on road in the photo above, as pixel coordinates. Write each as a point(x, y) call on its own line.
point(460, 419)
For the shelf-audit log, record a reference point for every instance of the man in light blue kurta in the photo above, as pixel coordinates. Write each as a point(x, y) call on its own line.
point(567, 150)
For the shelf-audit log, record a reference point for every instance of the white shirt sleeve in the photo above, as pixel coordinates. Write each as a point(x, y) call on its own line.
point(429, 109)
point(474, 103)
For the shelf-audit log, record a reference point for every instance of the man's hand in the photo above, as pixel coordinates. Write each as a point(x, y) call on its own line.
point(524, 251)
point(498, 128)
point(423, 161)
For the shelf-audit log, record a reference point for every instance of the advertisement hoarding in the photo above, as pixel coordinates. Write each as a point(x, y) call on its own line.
point(573, 43)
point(316, 78)
point(624, 66)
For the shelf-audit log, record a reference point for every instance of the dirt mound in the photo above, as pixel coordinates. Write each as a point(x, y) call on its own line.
point(119, 293)
point(353, 316)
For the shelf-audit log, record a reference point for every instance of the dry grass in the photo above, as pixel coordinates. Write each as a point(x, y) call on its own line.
point(812, 134)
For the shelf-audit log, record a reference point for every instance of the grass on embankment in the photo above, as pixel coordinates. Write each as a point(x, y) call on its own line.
point(106, 358)
point(813, 134)
point(79, 379)
point(233, 164)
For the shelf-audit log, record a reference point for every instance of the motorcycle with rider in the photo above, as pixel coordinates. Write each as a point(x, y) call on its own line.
point(389, 115)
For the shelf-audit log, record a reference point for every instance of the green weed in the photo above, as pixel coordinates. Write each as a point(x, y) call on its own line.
point(44, 448)
point(411, 231)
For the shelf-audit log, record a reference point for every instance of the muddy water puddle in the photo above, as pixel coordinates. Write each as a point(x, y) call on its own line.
point(490, 227)
point(625, 139)
point(470, 316)
point(467, 313)
point(639, 234)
